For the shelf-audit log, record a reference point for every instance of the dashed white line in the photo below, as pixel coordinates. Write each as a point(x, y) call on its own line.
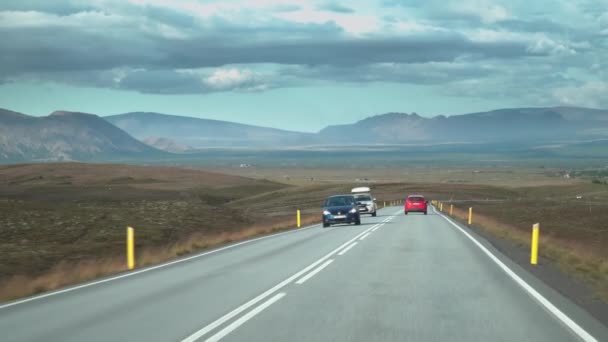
point(376, 228)
point(228, 329)
point(205, 330)
point(577, 329)
point(364, 236)
point(347, 248)
point(315, 271)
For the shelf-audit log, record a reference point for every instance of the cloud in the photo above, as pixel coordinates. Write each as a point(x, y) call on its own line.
point(93, 41)
point(536, 44)
point(286, 8)
point(192, 81)
point(588, 94)
point(411, 73)
point(348, 22)
point(333, 6)
point(546, 46)
point(161, 82)
point(53, 7)
point(484, 10)
point(534, 25)
point(517, 49)
point(231, 78)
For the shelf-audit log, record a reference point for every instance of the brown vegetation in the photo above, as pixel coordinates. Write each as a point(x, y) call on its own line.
point(72, 272)
point(65, 223)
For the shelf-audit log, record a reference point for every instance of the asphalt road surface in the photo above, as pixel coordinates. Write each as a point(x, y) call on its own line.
point(394, 278)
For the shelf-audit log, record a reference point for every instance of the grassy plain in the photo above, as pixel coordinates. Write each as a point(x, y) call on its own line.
point(65, 223)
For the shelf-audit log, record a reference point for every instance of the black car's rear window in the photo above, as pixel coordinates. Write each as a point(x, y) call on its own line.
point(339, 201)
point(416, 199)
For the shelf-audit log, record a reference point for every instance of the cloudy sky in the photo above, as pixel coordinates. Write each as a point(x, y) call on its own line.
point(299, 64)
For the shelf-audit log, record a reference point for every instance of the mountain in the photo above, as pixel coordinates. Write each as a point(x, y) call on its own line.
point(65, 136)
point(503, 125)
point(167, 145)
point(202, 133)
point(87, 137)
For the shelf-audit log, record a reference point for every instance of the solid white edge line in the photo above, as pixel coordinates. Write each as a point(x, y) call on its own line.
point(228, 329)
point(578, 330)
point(364, 236)
point(314, 272)
point(151, 268)
point(203, 331)
point(347, 248)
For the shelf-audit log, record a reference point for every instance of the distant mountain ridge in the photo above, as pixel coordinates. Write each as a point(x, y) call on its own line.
point(166, 144)
point(203, 133)
point(64, 136)
point(87, 137)
point(503, 125)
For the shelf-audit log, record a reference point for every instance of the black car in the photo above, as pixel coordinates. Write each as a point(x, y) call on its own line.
point(340, 209)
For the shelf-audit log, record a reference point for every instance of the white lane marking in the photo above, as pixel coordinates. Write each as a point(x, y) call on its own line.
point(364, 236)
point(369, 230)
point(78, 287)
point(347, 248)
point(228, 329)
point(313, 272)
point(376, 225)
point(578, 330)
point(376, 228)
point(265, 294)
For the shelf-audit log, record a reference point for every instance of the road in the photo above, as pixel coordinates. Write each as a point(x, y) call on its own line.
point(394, 278)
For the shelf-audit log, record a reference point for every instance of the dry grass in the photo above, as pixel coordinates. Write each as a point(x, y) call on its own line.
point(60, 275)
point(68, 273)
point(115, 174)
point(504, 176)
point(60, 224)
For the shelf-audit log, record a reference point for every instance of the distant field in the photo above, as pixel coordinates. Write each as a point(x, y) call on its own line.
point(509, 165)
point(54, 212)
point(458, 155)
point(55, 216)
point(498, 176)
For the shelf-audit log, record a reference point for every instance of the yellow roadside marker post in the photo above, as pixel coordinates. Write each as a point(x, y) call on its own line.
point(534, 247)
point(441, 206)
point(130, 248)
point(298, 218)
point(470, 215)
point(451, 209)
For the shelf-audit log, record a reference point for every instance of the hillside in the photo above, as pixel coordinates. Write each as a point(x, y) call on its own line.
point(65, 136)
point(202, 133)
point(85, 137)
point(503, 125)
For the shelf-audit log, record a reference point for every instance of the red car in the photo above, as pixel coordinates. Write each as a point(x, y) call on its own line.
point(415, 203)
